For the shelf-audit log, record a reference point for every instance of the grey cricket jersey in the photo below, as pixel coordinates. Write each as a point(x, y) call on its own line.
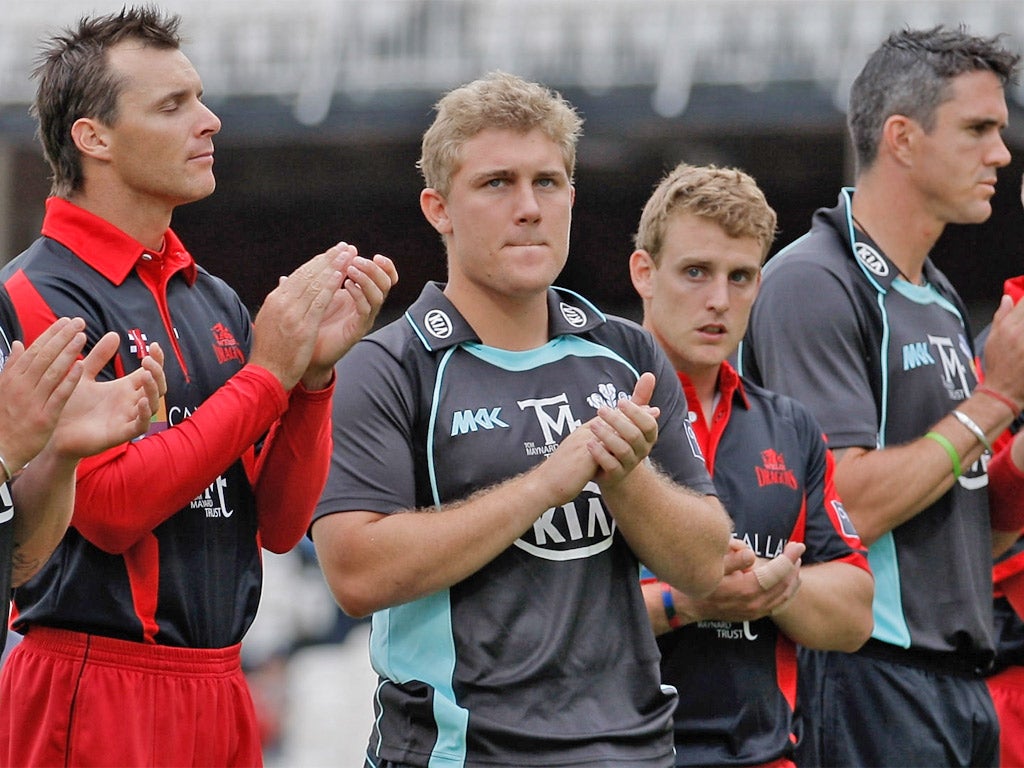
point(544, 657)
point(879, 361)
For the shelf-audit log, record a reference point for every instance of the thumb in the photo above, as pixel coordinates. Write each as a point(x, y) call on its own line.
point(644, 389)
point(794, 549)
point(772, 572)
point(1004, 308)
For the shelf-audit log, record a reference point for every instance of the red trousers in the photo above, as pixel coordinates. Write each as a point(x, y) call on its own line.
point(72, 699)
point(1007, 689)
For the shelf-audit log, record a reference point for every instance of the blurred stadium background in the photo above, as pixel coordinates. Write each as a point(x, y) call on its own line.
point(324, 102)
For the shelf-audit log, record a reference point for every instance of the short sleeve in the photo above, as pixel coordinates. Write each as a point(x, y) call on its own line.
point(804, 340)
point(372, 464)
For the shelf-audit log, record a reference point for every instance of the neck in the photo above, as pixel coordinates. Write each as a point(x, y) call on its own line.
point(142, 220)
point(705, 383)
point(502, 322)
point(900, 228)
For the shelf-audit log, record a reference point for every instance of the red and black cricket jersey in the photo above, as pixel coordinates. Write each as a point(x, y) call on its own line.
point(164, 546)
point(737, 680)
point(9, 330)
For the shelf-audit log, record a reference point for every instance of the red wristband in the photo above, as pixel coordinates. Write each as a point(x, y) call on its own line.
point(1005, 493)
point(985, 390)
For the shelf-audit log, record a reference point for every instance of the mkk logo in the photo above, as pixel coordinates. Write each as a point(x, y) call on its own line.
point(916, 354)
point(582, 528)
point(225, 347)
point(482, 418)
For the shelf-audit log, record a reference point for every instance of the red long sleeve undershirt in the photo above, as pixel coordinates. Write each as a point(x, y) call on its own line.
point(180, 462)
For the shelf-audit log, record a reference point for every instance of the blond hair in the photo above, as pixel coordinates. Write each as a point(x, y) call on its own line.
point(497, 100)
point(728, 197)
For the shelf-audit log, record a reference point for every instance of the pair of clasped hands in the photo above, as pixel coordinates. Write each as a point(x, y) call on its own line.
point(50, 398)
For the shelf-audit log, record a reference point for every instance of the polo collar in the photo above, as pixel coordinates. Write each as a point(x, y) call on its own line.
point(870, 258)
point(104, 247)
point(730, 386)
point(438, 324)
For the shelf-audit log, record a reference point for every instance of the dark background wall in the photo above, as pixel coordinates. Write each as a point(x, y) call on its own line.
point(286, 194)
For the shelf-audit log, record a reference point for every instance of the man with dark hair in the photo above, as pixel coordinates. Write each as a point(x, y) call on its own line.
point(856, 321)
point(490, 493)
point(132, 630)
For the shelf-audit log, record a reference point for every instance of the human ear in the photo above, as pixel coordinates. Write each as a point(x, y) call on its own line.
point(641, 272)
point(90, 137)
point(435, 209)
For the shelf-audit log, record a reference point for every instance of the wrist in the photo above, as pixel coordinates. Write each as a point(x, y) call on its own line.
point(669, 603)
point(1006, 493)
point(1009, 402)
point(317, 381)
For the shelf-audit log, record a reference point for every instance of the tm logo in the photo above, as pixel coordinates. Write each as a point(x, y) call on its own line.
point(482, 418)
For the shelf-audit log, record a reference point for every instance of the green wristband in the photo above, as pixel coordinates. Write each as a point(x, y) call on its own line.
point(950, 451)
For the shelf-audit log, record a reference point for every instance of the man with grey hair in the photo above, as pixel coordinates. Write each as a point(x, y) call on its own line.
point(856, 321)
point(490, 497)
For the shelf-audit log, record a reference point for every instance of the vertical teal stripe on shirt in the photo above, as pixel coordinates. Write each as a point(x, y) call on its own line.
point(890, 623)
point(887, 605)
point(421, 632)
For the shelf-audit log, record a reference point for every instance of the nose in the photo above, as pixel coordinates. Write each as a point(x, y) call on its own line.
point(527, 205)
point(718, 294)
point(1000, 154)
point(209, 122)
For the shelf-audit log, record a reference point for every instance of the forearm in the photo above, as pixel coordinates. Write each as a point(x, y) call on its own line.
point(882, 489)
point(292, 468)
point(177, 463)
point(680, 535)
point(44, 497)
point(1006, 492)
point(374, 561)
point(832, 608)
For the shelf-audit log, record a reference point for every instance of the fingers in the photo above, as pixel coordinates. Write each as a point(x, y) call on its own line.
point(154, 363)
point(310, 287)
point(769, 573)
point(644, 389)
point(369, 282)
point(101, 353)
point(49, 363)
point(740, 557)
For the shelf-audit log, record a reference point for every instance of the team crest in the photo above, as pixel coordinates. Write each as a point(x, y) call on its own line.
point(225, 346)
point(774, 471)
